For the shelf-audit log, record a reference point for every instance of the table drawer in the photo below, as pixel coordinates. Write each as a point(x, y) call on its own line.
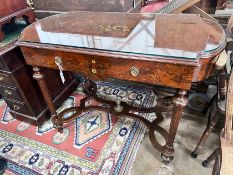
point(17, 106)
point(103, 67)
point(5, 79)
point(8, 92)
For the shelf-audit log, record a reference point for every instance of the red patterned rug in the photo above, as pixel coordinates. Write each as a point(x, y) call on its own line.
point(95, 143)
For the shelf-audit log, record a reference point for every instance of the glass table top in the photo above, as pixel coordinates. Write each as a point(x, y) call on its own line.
point(163, 35)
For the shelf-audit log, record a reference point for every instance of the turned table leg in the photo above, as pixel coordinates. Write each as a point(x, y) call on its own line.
point(39, 77)
point(180, 102)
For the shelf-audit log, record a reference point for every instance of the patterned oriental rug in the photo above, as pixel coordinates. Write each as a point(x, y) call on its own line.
point(95, 143)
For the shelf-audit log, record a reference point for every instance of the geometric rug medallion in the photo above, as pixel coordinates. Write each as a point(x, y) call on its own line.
point(90, 126)
point(95, 143)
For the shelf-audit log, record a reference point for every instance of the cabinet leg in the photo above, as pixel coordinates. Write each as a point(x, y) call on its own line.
point(180, 102)
point(39, 77)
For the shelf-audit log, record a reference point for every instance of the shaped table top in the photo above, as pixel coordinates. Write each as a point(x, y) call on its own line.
point(155, 35)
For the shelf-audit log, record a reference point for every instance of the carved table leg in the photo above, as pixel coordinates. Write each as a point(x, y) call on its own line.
point(45, 92)
point(213, 118)
point(180, 102)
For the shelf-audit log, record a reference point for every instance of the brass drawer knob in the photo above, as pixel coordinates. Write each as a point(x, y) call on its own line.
point(134, 71)
point(8, 92)
point(93, 71)
point(16, 107)
point(1, 78)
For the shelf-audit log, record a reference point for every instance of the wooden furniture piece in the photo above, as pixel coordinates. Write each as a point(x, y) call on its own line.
point(20, 91)
point(224, 154)
point(11, 9)
point(218, 107)
point(128, 47)
point(44, 8)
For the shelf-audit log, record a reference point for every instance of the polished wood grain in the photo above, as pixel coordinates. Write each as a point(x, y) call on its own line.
point(180, 101)
point(166, 74)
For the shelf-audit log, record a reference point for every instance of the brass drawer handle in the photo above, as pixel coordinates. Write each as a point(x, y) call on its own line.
point(8, 92)
point(1, 78)
point(134, 71)
point(16, 107)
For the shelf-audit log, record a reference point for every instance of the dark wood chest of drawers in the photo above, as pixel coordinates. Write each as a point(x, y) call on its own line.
point(21, 92)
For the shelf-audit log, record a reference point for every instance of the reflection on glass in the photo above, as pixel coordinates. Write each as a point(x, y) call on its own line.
point(185, 36)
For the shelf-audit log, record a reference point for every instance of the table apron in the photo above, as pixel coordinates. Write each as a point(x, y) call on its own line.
point(102, 67)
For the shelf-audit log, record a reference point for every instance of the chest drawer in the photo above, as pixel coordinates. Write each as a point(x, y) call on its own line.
point(5, 79)
point(16, 106)
point(12, 93)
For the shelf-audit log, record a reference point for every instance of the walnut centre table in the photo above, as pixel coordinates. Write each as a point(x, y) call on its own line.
point(167, 50)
